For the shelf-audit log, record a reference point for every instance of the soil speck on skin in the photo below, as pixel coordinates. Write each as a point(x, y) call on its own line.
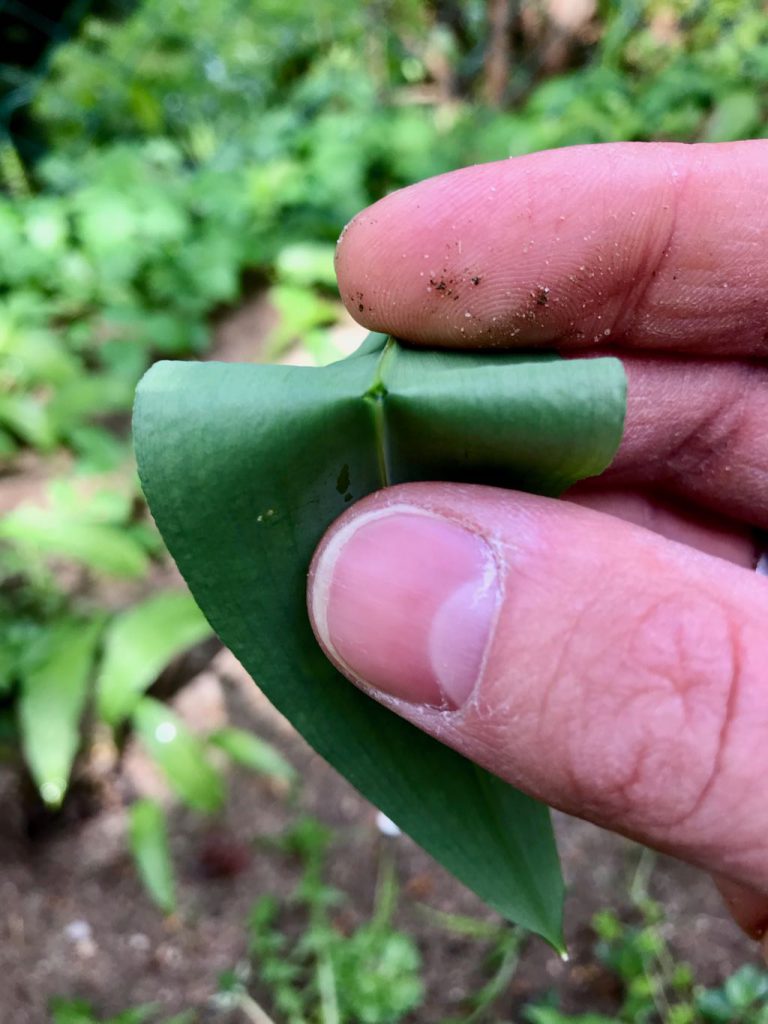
point(542, 296)
point(445, 286)
point(475, 280)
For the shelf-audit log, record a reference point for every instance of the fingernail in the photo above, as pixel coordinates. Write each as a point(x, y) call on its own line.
point(405, 602)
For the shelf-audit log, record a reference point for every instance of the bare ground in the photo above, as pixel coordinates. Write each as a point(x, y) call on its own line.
point(74, 920)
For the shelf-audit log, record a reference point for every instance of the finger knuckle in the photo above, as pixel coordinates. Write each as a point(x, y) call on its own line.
point(720, 435)
point(647, 744)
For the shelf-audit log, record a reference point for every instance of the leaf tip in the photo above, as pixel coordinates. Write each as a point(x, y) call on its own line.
point(52, 791)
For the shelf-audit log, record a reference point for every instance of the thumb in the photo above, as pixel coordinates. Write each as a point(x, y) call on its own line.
point(606, 670)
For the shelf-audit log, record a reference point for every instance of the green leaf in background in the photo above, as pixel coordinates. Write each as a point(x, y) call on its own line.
point(148, 837)
point(738, 115)
point(304, 264)
point(138, 645)
point(78, 1011)
point(98, 450)
point(245, 467)
point(8, 659)
point(301, 310)
point(136, 1015)
point(377, 975)
point(743, 997)
point(71, 1011)
point(54, 687)
point(252, 752)
point(551, 1015)
point(29, 420)
point(180, 754)
point(87, 526)
point(102, 547)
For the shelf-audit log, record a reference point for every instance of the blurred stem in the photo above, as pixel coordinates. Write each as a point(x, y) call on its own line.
point(378, 12)
point(462, 924)
point(658, 968)
point(508, 950)
point(325, 977)
point(638, 889)
point(498, 52)
point(253, 1011)
point(326, 985)
point(386, 888)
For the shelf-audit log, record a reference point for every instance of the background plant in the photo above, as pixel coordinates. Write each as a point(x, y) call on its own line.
point(305, 963)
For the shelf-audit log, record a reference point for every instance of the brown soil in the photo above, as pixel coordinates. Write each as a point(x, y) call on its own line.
point(74, 920)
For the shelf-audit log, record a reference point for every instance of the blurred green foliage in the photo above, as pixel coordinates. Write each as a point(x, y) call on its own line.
point(78, 1011)
point(307, 963)
point(367, 975)
point(328, 85)
point(197, 139)
point(195, 147)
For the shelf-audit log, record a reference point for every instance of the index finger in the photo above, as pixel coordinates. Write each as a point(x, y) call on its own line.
point(639, 245)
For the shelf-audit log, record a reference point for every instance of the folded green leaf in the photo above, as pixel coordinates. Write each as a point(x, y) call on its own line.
point(148, 835)
point(180, 754)
point(245, 467)
point(54, 687)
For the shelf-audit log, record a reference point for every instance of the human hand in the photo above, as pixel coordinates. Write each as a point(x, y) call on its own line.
point(607, 653)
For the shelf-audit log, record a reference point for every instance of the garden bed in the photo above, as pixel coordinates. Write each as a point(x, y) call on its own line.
point(76, 922)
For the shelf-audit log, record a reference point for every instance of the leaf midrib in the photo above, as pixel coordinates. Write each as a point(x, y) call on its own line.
point(375, 398)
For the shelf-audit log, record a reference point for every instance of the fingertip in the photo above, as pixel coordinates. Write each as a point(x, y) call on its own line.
point(578, 247)
point(413, 264)
point(505, 253)
point(402, 599)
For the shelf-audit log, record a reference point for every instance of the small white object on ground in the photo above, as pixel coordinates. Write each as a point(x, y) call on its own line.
point(78, 931)
point(139, 942)
point(386, 826)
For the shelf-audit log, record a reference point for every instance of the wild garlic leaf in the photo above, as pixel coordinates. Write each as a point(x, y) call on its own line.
point(245, 467)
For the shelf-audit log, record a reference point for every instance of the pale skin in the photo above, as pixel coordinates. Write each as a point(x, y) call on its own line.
point(624, 676)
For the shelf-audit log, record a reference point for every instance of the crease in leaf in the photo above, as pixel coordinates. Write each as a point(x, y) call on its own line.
point(245, 467)
point(375, 396)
